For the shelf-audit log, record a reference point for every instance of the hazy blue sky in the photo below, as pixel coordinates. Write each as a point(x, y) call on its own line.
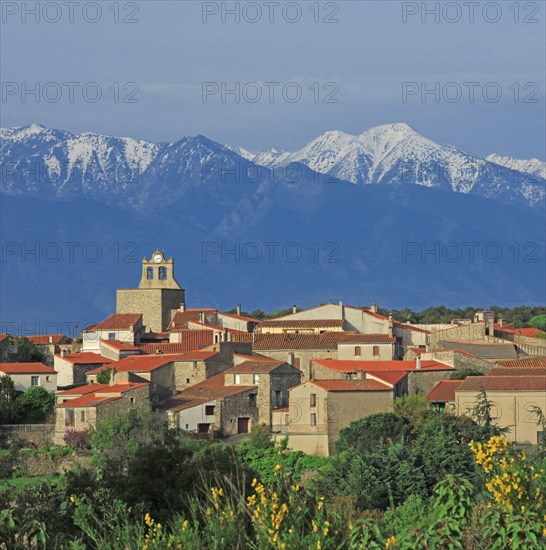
point(169, 52)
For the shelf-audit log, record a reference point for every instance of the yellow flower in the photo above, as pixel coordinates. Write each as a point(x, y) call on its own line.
point(391, 541)
point(254, 481)
point(277, 467)
point(72, 498)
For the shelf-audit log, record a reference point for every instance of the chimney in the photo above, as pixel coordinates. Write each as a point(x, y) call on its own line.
point(373, 308)
point(225, 335)
point(418, 362)
point(202, 317)
point(182, 306)
point(342, 310)
point(238, 309)
point(51, 339)
point(290, 359)
point(294, 309)
point(63, 351)
point(501, 322)
point(491, 326)
point(391, 324)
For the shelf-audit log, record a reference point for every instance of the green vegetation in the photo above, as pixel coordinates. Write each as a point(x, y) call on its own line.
point(30, 407)
point(413, 478)
point(26, 350)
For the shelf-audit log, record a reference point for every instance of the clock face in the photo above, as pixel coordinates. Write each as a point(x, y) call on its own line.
point(158, 258)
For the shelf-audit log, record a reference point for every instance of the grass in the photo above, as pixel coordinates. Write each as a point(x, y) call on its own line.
point(21, 482)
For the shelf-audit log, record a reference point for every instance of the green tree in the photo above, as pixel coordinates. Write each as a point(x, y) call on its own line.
point(26, 350)
point(36, 404)
point(365, 434)
point(103, 377)
point(415, 407)
point(461, 374)
point(9, 407)
point(538, 321)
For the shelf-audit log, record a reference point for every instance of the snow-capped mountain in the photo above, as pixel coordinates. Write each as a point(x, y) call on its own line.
point(398, 154)
point(534, 167)
point(39, 160)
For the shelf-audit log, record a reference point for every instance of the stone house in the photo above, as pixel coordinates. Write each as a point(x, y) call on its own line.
point(442, 395)
point(116, 350)
point(210, 407)
point(233, 321)
point(490, 351)
point(72, 368)
point(126, 327)
point(94, 403)
point(51, 344)
point(367, 347)
point(273, 380)
point(513, 397)
point(320, 409)
point(30, 375)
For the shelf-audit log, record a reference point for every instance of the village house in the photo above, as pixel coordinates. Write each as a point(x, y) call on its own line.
point(513, 397)
point(490, 351)
point(116, 350)
point(320, 409)
point(273, 380)
point(212, 407)
point(421, 375)
point(72, 368)
point(95, 402)
point(126, 327)
point(50, 344)
point(367, 347)
point(302, 326)
point(30, 375)
point(442, 396)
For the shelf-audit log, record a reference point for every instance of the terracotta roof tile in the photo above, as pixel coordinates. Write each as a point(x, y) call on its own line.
point(503, 383)
point(44, 339)
point(4, 336)
point(343, 365)
point(349, 385)
point(26, 368)
point(138, 363)
point(118, 345)
point(444, 391)
point(538, 361)
point(123, 321)
point(301, 323)
point(181, 318)
point(200, 355)
point(84, 358)
point(288, 341)
point(391, 377)
point(102, 393)
point(255, 367)
point(515, 371)
point(190, 340)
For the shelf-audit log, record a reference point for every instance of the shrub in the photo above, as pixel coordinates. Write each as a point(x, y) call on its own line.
point(79, 440)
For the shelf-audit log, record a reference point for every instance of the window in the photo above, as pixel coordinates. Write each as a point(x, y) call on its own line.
point(256, 379)
point(252, 400)
point(34, 380)
point(313, 420)
point(358, 351)
point(313, 400)
point(150, 273)
point(209, 410)
point(187, 426)
point(376, 351)
point(132, 400)
point(351, 376)
point(187, 380)
point(48, 378)
point(82, 416)
point(111, 336)
point(162, 273)
point(278, 398)
point(237, 379)
point(69, 417)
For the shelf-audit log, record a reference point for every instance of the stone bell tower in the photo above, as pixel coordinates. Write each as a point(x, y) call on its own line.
point(158, 294)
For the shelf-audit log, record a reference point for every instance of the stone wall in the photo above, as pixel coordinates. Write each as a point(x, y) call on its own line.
point(304, 357)
point(234, 407)
point(422, 381)
point(474, 332)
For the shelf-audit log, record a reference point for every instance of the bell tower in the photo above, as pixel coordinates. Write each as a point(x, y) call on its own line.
point(158, 295)
point(158, 272)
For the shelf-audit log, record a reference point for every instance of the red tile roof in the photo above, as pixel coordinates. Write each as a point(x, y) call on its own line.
point(503, 383)
point(342, 365)
point(527, 332)
point(122, 321)
point(84, 358)
point(242, 337)
point(4, 336)
point(515, 371)
point(538, 361)
point(405, 326)
point(44, 339)
point(101, 395)
point(201, 355)
point(26, 368)
point(118, 345)
point(301, 323)
point(255, 357)
point(240, 317)
point(181, 318)
point(137, 363)
point(391, 377)
point(81, 390)
point(444, 391)
point(255, 367)
point(190, 340)
point(288, 341)
point(348, 385)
